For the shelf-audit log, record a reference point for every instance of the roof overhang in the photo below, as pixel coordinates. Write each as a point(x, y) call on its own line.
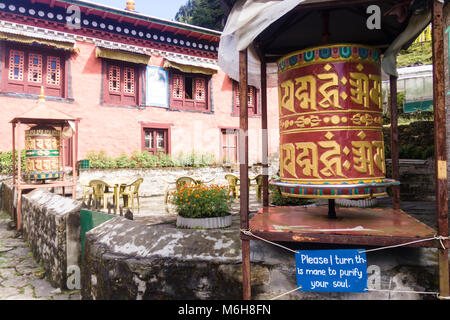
point(272, 29)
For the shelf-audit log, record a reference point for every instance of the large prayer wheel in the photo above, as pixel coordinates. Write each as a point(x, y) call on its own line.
point(331, 139)
point(42, 153)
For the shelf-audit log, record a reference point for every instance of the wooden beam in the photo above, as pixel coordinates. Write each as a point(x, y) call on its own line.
point(440, 142)
point(243, 163)
point(265, 136)
point(394, 141)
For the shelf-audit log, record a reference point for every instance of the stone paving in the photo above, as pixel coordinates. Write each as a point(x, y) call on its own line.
point(21, 277)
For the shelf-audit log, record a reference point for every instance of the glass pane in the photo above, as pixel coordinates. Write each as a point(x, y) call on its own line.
point(148, 139)
point(160, 141)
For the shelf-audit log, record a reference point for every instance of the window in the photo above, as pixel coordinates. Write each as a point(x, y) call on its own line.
point(189, 91)
point(252, 99)
point(156, 140)
point(122, 83)
point(229, 145)
point(28, 69)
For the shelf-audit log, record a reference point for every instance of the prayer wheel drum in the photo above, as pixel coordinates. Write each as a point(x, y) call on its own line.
point(331, 139)
point(42, 153)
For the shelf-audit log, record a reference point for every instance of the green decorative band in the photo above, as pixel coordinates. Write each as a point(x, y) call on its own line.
point(335, 53)
point(41, 175)
point(41, 153)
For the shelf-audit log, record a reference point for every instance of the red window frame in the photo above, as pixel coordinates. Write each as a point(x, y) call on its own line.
point(37, 67)
point(195, 98)
point(252, 100)
point(155, 129)
point(122, 83)
point(229, 145)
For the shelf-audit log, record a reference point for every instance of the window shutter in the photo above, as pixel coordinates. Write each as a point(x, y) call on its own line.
point(16, 65)
point(177, 87)
point(128, 80)
point(53, 71)
point(114, 79)
point(35, 68)
point(200, 89)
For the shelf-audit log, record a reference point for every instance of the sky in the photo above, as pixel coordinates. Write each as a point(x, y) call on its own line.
point(165, 9)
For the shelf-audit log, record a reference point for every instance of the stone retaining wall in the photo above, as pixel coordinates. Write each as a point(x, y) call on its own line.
point(417, 179)
point(156, 180)
point(51, 226)
point(7, 201)
point(127, 260)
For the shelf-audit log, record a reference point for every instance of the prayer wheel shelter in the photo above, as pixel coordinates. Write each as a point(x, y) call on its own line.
point(46, 135)
point(258, 44)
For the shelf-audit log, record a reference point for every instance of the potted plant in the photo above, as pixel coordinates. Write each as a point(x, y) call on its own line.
point(201, 206)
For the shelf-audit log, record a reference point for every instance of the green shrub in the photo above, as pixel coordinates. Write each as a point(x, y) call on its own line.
point(277, 199)
point(144, 159)
point(100, 160)
point(6, 164)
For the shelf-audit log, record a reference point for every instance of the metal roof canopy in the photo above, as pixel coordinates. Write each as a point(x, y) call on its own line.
point(347, 23)
point(272, 29)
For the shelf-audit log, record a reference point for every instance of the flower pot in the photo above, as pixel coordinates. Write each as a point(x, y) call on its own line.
point(204, 223)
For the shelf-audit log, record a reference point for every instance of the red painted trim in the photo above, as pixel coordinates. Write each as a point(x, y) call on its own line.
point(156, 126)
point(189, 104)
point(254, 109)
point(124, 98)
point(34, 88)
point(107, 36)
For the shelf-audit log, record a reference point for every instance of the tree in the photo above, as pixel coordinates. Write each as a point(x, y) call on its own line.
point(203, 13)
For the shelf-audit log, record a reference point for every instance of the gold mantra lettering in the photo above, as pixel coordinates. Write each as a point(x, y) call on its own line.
point(363, 90)
point(308, 155)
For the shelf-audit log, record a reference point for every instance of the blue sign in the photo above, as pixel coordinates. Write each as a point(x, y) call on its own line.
point(331, 270)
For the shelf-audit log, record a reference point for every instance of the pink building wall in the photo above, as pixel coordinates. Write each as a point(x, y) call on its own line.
point(117, 129)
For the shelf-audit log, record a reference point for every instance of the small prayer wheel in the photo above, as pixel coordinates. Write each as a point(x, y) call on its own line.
point(42, 153)
point(330, 106)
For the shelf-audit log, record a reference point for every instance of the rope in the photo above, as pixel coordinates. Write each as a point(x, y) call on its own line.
point(440, 238)
point(286, 293)
point(249, 233)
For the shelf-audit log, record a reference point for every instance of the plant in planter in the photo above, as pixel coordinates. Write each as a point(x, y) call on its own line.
point(201, 206)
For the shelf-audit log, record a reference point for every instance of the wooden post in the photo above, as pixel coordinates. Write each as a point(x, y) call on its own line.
point(394, 142)
point(74, 162)
point(14, 153)
point(19, 175)
point(440, 143)
point(265, 136)
point(243, 163)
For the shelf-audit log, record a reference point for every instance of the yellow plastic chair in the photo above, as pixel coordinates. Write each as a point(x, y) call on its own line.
point(87, 190)
point(130, 191)
point(101, 191)
point(178, 184)
point(258, 179)
point(233, 184)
